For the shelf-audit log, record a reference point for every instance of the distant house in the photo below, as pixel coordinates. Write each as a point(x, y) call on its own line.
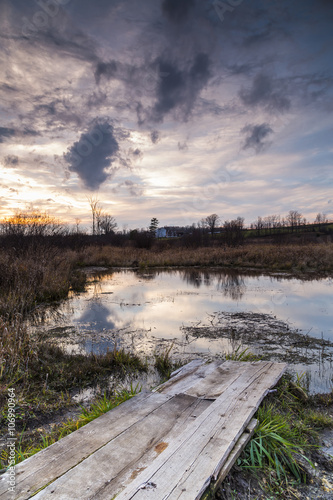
point(161, 232)
point(172, 232)
point(175, 231)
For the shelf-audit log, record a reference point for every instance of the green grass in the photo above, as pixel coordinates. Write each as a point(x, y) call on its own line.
point(164, 364)
point(276, 444)
point(285, 437)
point(242, 355)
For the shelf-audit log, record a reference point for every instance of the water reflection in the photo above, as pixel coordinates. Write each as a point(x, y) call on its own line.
point(203, 312)
point(228, 282)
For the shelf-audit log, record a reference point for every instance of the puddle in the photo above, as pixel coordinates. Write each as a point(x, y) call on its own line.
point(203, 313)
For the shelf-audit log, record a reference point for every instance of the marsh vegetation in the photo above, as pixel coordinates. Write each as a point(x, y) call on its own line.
point(46, 377)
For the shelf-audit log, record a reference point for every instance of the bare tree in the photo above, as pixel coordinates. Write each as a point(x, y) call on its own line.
point(211, 221)
point(294, 219)
point(98, 218)
point(106, 223)
point(234, 234)
point(259, 225)
point(320, 219)
point(93, 202)
point(77, 223)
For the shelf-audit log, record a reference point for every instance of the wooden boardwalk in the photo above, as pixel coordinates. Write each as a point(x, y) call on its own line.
point(174, 443)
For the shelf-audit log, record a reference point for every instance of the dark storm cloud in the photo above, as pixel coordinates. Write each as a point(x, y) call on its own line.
point(174, 85)
point(177, 11)
point(256, 135)
point(11, 161)
point(109, 70)
point(92, 156)
point(6, 132)
point(155, 136)
point(265, 92)
point(179, 88)
point(128, 73)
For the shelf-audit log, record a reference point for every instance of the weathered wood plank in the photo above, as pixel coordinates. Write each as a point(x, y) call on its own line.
point(195, 363)
point(183, 381)
point(189, 463)
point(47, 465)
point(155, 444)
point(105, 472)
point(127, 476)
point(208, 381)
point(234, 420)
point(235, 453)
point(217, 381)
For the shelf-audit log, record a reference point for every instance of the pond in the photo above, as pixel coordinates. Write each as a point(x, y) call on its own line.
point(205, 313)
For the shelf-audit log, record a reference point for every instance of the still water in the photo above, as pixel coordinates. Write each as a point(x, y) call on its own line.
point(204, 313)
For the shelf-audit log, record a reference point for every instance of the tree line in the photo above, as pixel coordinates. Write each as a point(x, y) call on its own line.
point(35, 223)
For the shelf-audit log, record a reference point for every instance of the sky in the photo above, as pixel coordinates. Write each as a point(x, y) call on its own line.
point(174, 109)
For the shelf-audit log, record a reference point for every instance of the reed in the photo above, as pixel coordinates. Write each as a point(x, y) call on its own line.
point(292, 258)
point(45, 275)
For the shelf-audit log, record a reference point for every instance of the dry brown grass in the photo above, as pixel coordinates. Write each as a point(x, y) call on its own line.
point(297, 258)
point(17, 350)
point(42, 276)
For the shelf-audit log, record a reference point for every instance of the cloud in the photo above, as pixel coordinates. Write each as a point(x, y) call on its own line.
point(6, 132)
point(264, 92)
point(155, 136)
point(179, 88)
point(173, 68)
point(92, 156)
point(134, 188)
point(69, 41)
point(182, 147)
point(5, 87)
point(177, 11)
point(29, 131)
point(255, 135)
point(96, 99)
point(137, 153)
point(11, 161)
point(109, 70)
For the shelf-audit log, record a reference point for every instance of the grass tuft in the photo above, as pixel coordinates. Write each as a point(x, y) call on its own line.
point(243, 355)
point(274, 445)
point(164, 364)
